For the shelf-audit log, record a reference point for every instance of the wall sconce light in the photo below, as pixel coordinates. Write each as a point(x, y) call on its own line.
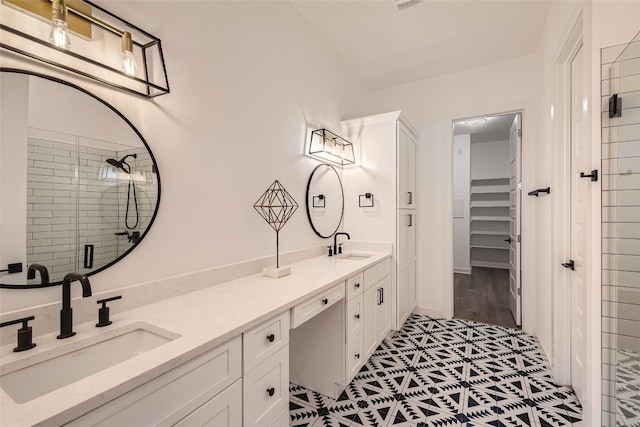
point(366, 200)
point(330, 147)
point(138, 67)
point(59, 29)
point(319, 201)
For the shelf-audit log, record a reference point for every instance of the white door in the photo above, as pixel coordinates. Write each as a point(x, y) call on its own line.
point(515, 193)
point(580, 202)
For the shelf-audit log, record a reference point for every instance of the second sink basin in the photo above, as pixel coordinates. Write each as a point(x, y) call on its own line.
point(354, 257)
point(64, 365)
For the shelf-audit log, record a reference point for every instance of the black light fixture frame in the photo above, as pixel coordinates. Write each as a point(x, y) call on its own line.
point(152, 89)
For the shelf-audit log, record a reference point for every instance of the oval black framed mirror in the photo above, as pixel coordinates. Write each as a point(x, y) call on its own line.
point(325, 200)
point(80, 187)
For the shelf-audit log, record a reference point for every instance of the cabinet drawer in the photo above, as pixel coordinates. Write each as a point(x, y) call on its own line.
point(355, 355)
point(377, 272)
point(264, 340)
point(173, 395)
point(266, 389)
point(355, 316)
point(355, 285)
point(282, 419)
point(224, 410)
point(311, 307)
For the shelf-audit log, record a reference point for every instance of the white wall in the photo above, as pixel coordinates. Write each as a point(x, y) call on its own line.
point(490, 160)
point(432, 105)
point(461, 196)
point(247, 80)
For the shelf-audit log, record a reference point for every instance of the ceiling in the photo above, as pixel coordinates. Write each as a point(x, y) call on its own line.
point(496, 128)
point(387, 47)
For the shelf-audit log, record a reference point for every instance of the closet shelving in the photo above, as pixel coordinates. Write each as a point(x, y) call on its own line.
point(490, 222)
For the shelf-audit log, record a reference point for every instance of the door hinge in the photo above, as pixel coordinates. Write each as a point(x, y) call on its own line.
point(518, 238)
point(519, 132)
point(519, 291)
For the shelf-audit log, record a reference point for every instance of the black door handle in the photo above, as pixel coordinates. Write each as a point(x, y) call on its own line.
point(593, 175)
point(571, 265)
point(508, 240)
point(325, 301)
point(271, 391)
point(271, 337)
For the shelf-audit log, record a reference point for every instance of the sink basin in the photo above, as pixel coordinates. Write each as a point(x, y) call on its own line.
point(64, 365)
point(355, 257)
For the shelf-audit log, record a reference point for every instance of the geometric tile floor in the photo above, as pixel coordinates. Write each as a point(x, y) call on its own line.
point(445, 372)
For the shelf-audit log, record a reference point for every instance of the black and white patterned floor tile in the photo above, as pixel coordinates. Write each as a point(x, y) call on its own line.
point(443, 373)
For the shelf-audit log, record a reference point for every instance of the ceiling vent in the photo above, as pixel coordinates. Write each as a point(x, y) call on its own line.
point(404, 4)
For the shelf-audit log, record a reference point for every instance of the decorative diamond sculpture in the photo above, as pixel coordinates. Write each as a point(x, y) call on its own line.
point(276, 206)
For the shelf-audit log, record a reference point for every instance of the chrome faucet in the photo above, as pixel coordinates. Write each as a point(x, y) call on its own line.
point(335, 242)
point(44, 273)
point(66, 314)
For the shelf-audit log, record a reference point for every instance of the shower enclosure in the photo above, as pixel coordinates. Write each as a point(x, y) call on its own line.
point(621, 234)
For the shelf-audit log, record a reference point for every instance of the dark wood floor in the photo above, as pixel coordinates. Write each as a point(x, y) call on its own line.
point(483, 296)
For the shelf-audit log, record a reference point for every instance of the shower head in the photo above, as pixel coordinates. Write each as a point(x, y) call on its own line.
point(120, 164)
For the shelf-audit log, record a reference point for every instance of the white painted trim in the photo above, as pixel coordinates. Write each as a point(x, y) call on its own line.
point(430, 312)
point(561, 183)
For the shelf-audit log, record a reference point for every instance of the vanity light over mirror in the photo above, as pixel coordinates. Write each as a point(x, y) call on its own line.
point(325, 200)
point(80, 186)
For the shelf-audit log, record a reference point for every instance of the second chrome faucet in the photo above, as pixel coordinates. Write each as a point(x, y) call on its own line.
point(66, 313)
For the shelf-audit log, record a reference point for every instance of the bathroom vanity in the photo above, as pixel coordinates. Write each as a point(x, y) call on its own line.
point(221, 356)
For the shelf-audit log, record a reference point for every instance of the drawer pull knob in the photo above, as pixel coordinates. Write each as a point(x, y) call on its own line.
point(325, 301)
point(271, 337)
point(357, 285)
point(357, 316)
point(271, 391)
point(357, 355)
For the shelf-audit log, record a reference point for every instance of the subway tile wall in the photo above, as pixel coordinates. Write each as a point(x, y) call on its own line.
point(75, 198)
point(621, 237)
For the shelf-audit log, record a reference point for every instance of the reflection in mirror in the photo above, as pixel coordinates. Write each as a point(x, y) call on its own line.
point(80, 186)
point(325, 200)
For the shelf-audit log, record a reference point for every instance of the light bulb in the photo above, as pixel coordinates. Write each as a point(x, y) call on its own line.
point(59, 30)
point(129, 64)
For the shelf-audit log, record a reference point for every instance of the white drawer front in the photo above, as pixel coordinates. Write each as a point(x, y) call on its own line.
point(282, 419)
point(354, 317)
point(311, 307)
point(224, 410)
point(266, 389)
point(355, 285)
point(173, 395)
point(377, 272)
point(355, 355)
point(264, 340)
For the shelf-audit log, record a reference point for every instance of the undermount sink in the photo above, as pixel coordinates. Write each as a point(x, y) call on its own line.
point(355, 257)
point(27, 379)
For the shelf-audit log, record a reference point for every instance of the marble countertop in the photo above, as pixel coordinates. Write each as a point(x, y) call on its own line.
point(202, 319)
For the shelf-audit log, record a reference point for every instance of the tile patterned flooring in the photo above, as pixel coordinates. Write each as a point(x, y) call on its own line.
point(445, 372)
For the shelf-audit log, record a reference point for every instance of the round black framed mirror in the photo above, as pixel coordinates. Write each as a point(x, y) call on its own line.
point(325, 200)
point(81, 187)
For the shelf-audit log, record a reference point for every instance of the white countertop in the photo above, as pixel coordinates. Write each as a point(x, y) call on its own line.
point(203, 319)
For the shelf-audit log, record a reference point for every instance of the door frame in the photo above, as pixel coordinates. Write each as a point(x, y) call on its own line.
point(450, 291)
point(561, 205)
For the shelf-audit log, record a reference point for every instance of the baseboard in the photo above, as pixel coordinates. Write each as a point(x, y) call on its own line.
point(429, 312)
point(462, 270)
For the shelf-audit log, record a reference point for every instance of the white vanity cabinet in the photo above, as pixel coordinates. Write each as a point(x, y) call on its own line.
point(243, 382)
point(266, 371)
point(368, 315)
point(205, 387)
point(388, 144)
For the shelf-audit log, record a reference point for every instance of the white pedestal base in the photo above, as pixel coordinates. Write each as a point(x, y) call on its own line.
point(276, 272)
